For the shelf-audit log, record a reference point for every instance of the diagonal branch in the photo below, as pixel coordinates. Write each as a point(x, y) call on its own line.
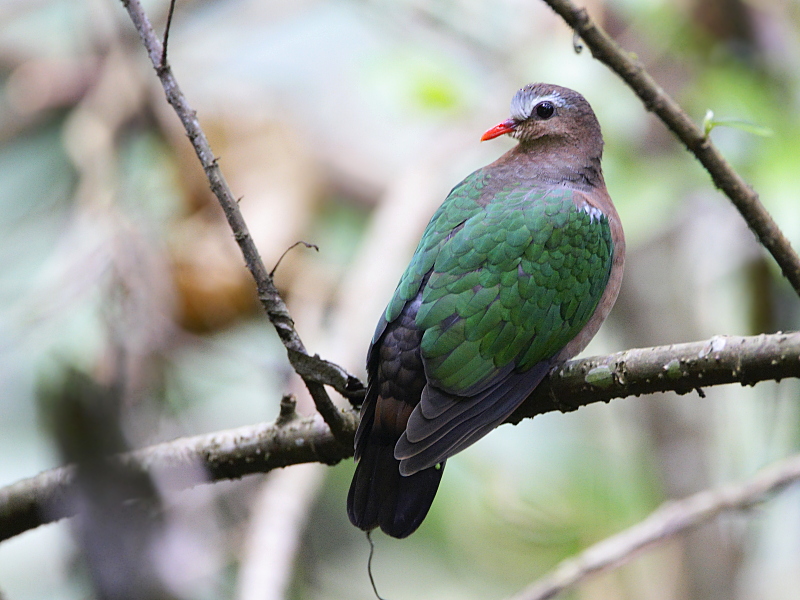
point(694, 138)
point(291, 440)
point(666, 522)
point(315, 372)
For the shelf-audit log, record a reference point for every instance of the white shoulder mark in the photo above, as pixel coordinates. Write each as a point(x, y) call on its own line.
point(593, 212)
point(584, 204)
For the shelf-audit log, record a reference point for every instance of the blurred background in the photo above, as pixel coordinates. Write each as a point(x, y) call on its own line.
point(344, 124)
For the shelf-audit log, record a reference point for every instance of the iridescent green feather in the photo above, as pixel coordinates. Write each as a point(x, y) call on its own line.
point(511, 278)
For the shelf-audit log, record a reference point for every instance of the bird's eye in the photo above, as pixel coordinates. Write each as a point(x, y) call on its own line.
point(544, 110)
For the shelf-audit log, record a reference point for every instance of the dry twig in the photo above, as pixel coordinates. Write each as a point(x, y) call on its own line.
point(666, 522)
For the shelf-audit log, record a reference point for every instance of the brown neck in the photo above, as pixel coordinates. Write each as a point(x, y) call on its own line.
point(553, 162)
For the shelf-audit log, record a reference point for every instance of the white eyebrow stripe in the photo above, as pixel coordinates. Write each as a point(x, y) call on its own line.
point(555, 98)
point(520, 112)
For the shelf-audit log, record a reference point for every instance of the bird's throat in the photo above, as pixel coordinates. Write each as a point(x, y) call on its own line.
point(553, 164)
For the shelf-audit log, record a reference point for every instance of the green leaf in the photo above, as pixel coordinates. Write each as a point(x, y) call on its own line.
point(709, 123)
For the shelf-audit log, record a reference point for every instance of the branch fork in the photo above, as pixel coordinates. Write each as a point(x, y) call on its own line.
point(315, 372)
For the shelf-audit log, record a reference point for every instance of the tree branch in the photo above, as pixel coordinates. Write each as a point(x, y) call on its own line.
point(666, 522)
point(226, 454)
point(680, 368)
point(315, 372)
point(656, 100)
point(260, 448)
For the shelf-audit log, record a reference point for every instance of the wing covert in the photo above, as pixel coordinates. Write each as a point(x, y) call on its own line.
point(512, 285)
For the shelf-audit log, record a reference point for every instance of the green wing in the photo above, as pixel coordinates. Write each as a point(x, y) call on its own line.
point(516, 283)
point(508, 284)
point(502, 280)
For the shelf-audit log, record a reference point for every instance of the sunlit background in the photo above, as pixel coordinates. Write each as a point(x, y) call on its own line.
point(344, 124)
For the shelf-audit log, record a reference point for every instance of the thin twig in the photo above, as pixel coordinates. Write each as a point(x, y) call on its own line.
point(289, 249)
point(316, 373)
point(260, 448)
point(163, 62)
point(655, 99)
point(666, 522)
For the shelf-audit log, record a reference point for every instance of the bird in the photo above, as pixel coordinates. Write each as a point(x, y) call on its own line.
point(513, 276)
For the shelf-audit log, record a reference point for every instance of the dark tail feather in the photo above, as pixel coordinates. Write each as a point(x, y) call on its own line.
point(380, 497)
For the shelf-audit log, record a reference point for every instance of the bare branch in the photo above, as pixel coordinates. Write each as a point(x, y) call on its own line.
point(692, 135)
point(316, 373)
point(680, 368)
point(226, 454)
point(260, 448)
point(667, 521)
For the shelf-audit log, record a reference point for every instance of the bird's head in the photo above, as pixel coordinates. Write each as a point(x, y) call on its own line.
point(545, 113)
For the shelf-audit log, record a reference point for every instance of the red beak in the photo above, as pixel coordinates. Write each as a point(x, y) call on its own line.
point(506, 126)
